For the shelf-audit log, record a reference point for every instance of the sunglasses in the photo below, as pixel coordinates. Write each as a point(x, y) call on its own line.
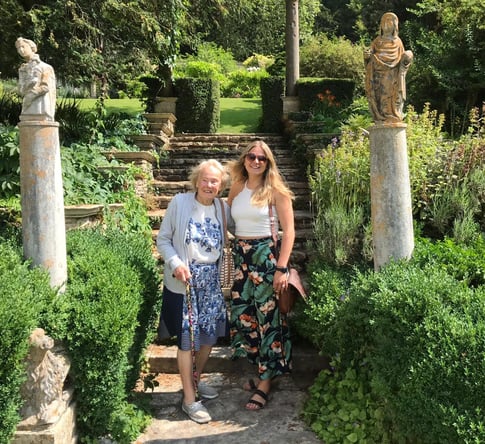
point(252, 157)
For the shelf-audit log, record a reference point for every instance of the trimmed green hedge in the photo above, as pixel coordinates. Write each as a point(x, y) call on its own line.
point(25, 295)
point(106, 318)
point(114, 301)
point(413, 336)
point(198, 108)
point(309, 88)
point(272, 88)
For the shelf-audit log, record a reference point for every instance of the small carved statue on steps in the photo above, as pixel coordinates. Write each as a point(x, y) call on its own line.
point(43, 392)
point(386, 64)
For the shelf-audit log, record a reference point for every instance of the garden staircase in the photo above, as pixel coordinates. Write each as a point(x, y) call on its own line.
point(184, 151)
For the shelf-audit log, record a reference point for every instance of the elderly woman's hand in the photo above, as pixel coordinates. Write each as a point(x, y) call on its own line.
point(182, 273)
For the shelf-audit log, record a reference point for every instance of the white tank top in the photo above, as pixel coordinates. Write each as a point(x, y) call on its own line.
point(251, 221)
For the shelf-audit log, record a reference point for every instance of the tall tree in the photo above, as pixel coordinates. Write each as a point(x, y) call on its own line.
point(448, 41)
point(103, 40)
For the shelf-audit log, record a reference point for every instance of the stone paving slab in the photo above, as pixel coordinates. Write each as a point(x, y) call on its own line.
point(278, 423)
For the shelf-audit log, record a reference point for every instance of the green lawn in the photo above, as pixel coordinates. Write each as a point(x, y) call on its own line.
point(240, 115)
point(237, 115)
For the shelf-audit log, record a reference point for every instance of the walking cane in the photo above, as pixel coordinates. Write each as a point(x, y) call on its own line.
point(192, 339)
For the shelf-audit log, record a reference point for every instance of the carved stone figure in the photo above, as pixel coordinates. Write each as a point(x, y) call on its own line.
point(45, 398)
point(386, 64)
point(37, 83)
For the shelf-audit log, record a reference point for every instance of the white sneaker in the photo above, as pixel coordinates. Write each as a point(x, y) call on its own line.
point(206, 391)
point(196, 412)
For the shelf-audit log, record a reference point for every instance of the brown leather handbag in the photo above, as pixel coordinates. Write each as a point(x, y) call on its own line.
point(286, 298)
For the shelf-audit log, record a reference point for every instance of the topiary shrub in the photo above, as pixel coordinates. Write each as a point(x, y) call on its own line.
point(198, 108)
point(421, 333)
point(113, 294)
point(25, 294)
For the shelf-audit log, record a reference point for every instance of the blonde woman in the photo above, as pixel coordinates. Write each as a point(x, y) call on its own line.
point(258, 331)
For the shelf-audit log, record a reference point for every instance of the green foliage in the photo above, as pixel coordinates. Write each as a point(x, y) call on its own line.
point(341, 409)
point(271, 90)
point(9, 162)
point(340, 183)
point(198, 109)
point(243, 84)
point(258, 61)
point(321, 56)
point(10, 108)
point(104, 267)
point(418, 328)
point(447, 180)
point(221, 59)
point(24, 294)
point(84, 181)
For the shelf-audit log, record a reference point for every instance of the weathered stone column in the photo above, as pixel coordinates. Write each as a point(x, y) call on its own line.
point(391, 205)
point(292, 47)
point(43, 225)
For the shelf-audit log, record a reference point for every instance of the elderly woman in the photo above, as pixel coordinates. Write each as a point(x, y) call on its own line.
point(191, 240)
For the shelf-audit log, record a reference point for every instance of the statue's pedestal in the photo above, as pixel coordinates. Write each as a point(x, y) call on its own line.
point(291, 104)
point(42, 198)
point(391, 205)
point(61, 432)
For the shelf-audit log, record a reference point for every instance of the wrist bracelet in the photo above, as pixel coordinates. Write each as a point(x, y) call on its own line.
point(282, 269)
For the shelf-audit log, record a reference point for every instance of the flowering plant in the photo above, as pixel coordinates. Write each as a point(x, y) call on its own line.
point(326, 105)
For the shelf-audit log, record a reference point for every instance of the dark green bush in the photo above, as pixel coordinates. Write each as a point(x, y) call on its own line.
point(10, 109)
point(309, 90)
point(25, 297)
point(113, 292)
point(198, 108)
point(420, 330)
point(272, 88)
point(9, 161)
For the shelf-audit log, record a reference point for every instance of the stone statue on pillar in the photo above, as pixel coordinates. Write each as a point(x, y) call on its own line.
point(37, 83)
point(42, 194)
point(386, 65)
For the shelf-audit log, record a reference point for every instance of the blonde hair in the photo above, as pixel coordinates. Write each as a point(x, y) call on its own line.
point(273, 182)
point(195, 173)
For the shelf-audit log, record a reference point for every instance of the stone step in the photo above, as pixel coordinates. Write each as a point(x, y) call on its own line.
point(162, 201)
point(303, 218)
point(163, 359)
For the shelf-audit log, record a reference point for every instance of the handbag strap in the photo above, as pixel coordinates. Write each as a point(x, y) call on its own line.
point(224, 222)
point(274, 235)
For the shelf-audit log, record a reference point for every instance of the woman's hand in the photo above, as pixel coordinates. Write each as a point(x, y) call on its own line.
point(182, 273)
point(280, 281)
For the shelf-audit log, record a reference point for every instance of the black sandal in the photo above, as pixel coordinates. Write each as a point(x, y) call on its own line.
point(251, 384)
point(259, 405)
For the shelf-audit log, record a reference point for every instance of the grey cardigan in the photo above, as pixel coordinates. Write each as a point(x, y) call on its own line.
point(171, 236)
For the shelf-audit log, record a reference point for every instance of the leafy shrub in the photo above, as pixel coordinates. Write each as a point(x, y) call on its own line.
point(340, 183)
point(243, 84)
point(113, 295)
point(25, 294)
point(420, 331)
point(9, 162)
point(321, 56)
point(341, 409)
point(10, 108)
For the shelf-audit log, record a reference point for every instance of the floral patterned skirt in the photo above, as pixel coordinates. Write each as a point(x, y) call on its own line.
point(258, 330)
point(206, 319)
